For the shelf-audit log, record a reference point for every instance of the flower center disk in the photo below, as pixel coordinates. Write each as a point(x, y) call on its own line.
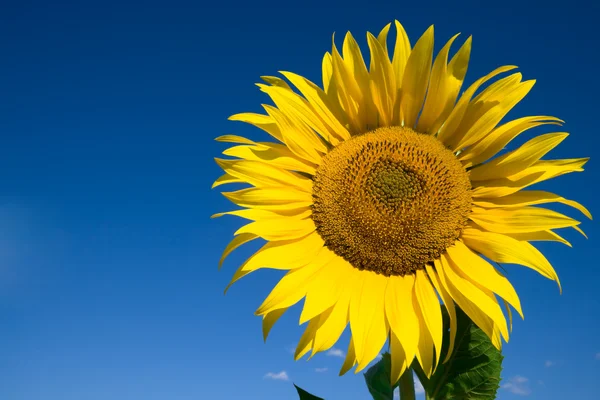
point(391, 200)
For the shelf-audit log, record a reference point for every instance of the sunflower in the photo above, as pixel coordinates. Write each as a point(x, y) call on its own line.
point(386, 194)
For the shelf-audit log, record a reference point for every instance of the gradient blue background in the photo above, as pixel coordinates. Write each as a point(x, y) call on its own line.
point(109, 286)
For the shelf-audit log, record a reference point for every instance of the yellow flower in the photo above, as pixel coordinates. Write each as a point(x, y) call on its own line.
point(384, 190)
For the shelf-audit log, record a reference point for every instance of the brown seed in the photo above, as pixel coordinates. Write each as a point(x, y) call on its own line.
point(391, 200)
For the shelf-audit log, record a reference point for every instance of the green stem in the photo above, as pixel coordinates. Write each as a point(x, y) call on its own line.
point(407, 385)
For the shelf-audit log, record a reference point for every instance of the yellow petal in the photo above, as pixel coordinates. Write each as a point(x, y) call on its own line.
point(367, 320)
point(518, 220)
point(355, 64)
point(332, 97)
point(538, 172)
point(540, 236)
point(297, 136)
point(416, 78)
point(480, 271)
point(275, 81)
point(306, 340)
point(398, 358)
point(496, 340)
point(401, 313)
point(263, 122)
point(279, 229)
point(224, 179)
point(354, 60)
point(327, 70)
point(490, 96)
point(447, 131)
point(234, 244)
point(254, 214)
point(519, 159)
point(510, 317)
point(326, 289)
point(270, 198)
point(504, 249)
point(455, 75)
point(349, 93)
point(529, 198)
point(302, 115)
point(291, 288)
point(430, 310)
point(264, 175)
point(327, 330)
point(235, 139)
point(277, 155)
point(401, 53)
point(382, 38)
point(283, 255)
point(477, 125)
point(350, 359)
point(438, 91)
point(497, 139)
point(449, 304)
point(383, 83)
point(480, 298)
point(287, 254)
point(297, 123)
point(328, 110)
point(482, 320)
point(425, 353)
point(331, 325)
point(269, 320)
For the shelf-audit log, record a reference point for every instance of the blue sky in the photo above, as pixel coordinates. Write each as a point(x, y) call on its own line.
point(109, 287)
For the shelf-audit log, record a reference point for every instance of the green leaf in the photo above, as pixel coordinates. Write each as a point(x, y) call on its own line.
point(473, 370)
point(378, 379)
point(304, 395)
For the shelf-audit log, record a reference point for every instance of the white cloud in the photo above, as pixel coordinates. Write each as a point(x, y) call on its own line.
point(517, 385)
point(321, 369)
point(278, 376)
point(549, 364)
point(419, 389)
point(336, 353)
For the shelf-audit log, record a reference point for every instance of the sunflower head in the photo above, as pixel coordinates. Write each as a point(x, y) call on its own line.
point(391, 200)
point(385, 195)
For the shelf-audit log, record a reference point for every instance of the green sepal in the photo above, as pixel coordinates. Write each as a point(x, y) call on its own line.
point(304, 395)
point(378, 379)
